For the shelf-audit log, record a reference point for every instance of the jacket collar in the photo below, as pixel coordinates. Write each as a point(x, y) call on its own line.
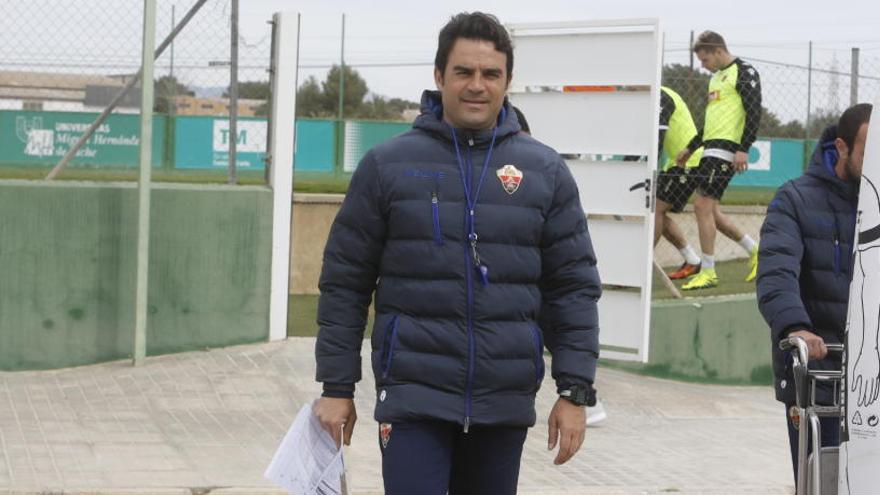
point(431, 120)
point(822, 166)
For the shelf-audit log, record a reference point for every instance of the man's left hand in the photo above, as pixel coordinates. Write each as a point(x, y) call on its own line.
point(740, 162)
point(567, 426)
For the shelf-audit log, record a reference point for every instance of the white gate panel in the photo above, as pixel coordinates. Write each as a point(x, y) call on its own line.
point(619, 245)
point(605, 186)
point(620, 326)
point(619, 122)
point(593, 89)
point(604, 52)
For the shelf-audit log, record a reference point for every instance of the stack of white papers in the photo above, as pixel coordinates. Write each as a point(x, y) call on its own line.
point(308, 462)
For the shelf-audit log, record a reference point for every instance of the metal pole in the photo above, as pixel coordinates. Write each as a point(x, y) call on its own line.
point(124, 91)
point(285, 60)
point(809, 87)
point(691, 50)
point(233, 95)
point(666, 282)
point(171, 70)
point(139, 341)
point(854, 78)
point(339, 166)
point(270, 103)
point(342, 73)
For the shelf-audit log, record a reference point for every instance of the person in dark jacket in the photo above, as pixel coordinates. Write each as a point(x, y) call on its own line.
point(472, 237)
point(805, 259)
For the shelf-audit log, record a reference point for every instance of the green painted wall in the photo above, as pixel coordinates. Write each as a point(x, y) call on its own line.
point(719, 339)
point(67, 270)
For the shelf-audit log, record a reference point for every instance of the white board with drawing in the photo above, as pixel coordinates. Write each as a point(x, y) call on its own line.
point(860, 449)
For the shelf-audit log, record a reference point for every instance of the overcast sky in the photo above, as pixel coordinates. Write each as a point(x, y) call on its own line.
point(400, 31)
point(103, 36)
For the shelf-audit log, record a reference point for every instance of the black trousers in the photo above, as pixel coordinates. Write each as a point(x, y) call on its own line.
point(436, 458)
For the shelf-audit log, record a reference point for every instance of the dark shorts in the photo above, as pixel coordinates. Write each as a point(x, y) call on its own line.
point(675, 186)
point(712, 176)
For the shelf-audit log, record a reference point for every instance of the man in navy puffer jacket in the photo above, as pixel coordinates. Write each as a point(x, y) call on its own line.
point(472, 236)
point(805, 259)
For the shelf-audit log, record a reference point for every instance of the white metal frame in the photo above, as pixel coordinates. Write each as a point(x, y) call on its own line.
point(592, 89)
point(284, 78)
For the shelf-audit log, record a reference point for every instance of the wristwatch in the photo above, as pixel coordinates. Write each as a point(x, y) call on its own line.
point(579, 395)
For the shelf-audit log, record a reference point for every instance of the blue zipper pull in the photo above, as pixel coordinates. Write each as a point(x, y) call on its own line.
point(467, 423)
point(482, 269)
point(484, 274)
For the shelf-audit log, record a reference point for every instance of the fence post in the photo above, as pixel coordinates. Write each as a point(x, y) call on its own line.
point(691, 50)
point(854, 78)
point(139, 339)
point(809, 105)
point(233, 95)
point(340, 118)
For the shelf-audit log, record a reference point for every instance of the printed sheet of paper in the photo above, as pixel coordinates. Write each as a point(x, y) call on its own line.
point(307, 462)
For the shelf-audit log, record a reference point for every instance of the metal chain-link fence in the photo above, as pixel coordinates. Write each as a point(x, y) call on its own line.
point(773, 112)
point(62, 62)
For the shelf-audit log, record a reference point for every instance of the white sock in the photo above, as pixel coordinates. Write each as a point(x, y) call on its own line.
point(747, 243)
point(689, 255)
point(708, 261)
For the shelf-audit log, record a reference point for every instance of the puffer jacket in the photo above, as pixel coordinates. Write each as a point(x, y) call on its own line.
point(805, 262)
point(459, 336)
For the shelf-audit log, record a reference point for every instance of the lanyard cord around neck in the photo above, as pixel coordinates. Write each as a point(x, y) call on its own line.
point(472, 201)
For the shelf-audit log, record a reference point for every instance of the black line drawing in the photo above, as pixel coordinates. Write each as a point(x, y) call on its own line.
point(866, 368)
point(863, 379)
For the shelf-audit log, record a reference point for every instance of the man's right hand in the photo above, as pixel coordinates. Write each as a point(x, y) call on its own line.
point(682, 157)
point(337, 416)
point(815, 344)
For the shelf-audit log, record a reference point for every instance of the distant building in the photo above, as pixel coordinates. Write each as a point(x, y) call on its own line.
point(193, 105)
point(51, 91)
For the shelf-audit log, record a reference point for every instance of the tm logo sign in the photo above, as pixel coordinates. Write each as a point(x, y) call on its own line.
point(251, 136)
point(250, 143)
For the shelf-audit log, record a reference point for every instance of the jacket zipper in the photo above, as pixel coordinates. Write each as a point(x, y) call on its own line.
point(466, 172)
point(435, 213)
point(470, 311)
point(390, 341)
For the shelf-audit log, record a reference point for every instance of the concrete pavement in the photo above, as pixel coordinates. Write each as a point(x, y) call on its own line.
point(209, 422)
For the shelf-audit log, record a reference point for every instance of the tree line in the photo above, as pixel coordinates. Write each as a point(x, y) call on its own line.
point(320, 100)
point(314, 99)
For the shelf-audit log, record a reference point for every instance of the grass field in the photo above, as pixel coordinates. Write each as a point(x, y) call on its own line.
point(245, 177)
point(731, 275)
point(302, 310)
point(313, 184)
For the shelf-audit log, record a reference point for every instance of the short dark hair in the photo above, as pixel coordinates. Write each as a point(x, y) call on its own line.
point(709, 41)
point(473, 26)
point(851, 121)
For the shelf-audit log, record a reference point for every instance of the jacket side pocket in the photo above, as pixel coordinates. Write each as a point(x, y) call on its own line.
point(388, 346)
point(538, 341)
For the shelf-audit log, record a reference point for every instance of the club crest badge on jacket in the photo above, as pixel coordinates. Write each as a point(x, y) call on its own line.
point(510, 178)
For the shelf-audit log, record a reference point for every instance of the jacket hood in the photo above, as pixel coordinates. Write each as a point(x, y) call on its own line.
point(431, 120)
point(822, 165)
